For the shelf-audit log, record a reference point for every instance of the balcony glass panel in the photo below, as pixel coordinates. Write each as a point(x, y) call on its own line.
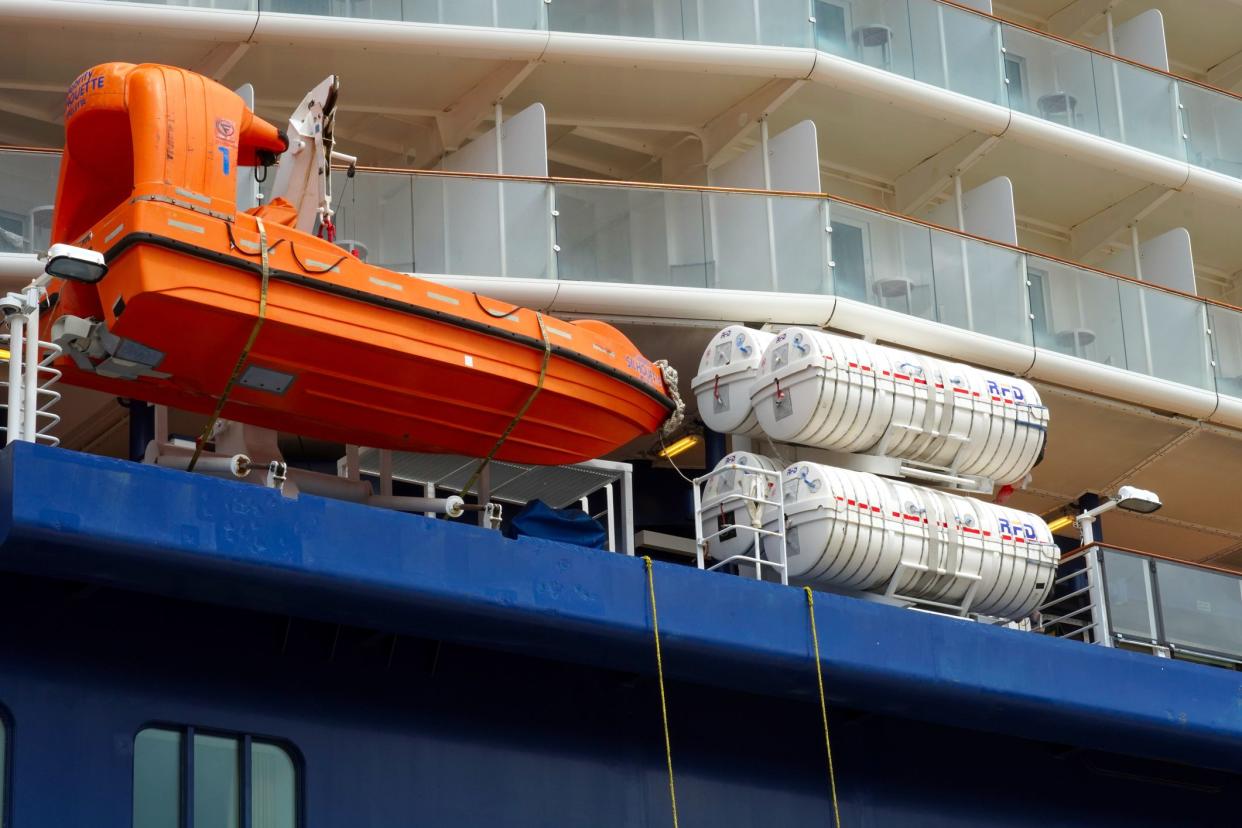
point(627, 18)
point(1166, 335)
point(758, 242)
point(1200, 609)
point(458, 225)
point(639, 236)
point(1076, 312)
point(769, 22)
point(979, 287)
point(1212, 122)
point(1226, 327)
point(957, 50)
point(1137, 107)
point(874, 32)
point(1127, 581)
point(510, 14)
point(27, 193)
point(230, 5)
point(1051, 80)
point(882, 261)
point(374, 211)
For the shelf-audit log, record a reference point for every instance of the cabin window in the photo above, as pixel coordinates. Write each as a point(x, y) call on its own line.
point(849, 257)
point(1015, 75)
point(185, 778)
point(832, 27)
point(1037, 281)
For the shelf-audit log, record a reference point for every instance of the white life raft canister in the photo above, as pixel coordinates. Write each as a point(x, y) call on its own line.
point(854, 531)
point(726, 374)
point(818, 389)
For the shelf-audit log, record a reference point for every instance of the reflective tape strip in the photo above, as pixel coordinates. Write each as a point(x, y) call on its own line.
point(181, 191)
point(382, 283)
point(440, 297)
point(182, 225)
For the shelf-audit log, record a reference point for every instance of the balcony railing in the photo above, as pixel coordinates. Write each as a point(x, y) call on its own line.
point(1120, 598)
point(463, 225)
point(933, 41)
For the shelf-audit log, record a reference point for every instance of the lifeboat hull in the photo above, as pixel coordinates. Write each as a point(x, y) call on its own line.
point(347, 351)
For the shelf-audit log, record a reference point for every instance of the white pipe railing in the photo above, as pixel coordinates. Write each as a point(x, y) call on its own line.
point(30, 377)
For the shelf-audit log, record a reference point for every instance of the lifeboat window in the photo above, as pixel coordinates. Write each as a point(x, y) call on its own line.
point(184, 778)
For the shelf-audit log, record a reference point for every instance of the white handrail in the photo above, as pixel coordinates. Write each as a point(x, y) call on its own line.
point(29, 394)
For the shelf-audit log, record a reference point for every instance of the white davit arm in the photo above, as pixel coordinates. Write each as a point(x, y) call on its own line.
point(304, 171)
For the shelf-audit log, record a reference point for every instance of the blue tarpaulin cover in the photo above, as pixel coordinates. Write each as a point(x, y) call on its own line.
point(539, 520)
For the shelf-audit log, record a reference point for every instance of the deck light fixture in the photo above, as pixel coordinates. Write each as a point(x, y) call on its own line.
point(1129, 498)
point(77, 264)
point(679, 447)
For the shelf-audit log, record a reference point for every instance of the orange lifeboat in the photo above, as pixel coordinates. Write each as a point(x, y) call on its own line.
point(346, 351)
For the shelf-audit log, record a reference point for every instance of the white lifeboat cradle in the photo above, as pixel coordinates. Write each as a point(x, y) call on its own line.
point(864, 424)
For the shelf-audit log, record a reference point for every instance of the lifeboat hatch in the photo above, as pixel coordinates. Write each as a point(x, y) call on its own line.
point(265, 379)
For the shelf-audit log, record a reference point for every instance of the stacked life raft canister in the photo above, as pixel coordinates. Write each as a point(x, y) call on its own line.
point(857, 532)
point(346, 351)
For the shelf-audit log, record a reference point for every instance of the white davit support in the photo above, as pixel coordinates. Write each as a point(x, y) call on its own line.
point(726, 375)
point(818, 389)
point(856, 532)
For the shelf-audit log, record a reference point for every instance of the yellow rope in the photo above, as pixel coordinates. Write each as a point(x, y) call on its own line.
point(668, 747)
point(823, 709)
point(245, 351)
point(517, 418)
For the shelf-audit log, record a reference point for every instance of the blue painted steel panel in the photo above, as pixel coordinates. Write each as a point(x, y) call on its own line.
point(396, 733)
point(114, 522)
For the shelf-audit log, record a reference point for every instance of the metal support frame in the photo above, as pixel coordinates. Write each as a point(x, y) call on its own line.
point(878, 463)
point(29, 394)
point(758, 533)
point(1089, 622)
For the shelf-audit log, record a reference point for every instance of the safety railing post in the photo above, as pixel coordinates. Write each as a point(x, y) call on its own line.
point(13, 420)
point(30, 377)
point(1099, 603)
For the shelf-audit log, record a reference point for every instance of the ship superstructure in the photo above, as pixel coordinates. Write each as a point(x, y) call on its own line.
point(1034, 203)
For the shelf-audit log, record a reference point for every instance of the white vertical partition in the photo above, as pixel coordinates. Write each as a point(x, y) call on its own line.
point(1138, 107)
point(770, 243)
point(479, 227)
point(1141, 38)
point(987, 210)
